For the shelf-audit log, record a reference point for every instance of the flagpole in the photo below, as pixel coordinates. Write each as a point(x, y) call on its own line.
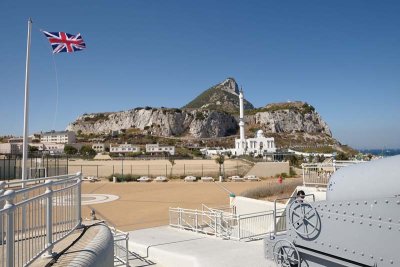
point(26, 105)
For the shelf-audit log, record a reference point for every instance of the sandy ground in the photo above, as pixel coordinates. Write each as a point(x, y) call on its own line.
point(143, 205)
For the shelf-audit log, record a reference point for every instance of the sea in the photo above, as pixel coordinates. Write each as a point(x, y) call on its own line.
point(382, 152)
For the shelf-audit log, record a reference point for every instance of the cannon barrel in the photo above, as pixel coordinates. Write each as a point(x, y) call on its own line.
point(375, 179)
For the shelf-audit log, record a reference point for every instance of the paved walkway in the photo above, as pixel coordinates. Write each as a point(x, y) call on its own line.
point(174, 247)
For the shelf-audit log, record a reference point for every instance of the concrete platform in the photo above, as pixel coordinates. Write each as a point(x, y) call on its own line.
point(169, 246)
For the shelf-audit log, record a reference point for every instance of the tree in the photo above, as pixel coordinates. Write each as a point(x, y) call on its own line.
point(220, 160)
point(87, 151)
point(70, 150)
point(342, 156)
point(293, 160)
point(33, 149)
point(172, 161)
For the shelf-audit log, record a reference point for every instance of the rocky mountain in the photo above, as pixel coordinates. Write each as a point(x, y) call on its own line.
point(213, 114)
point(223, 96)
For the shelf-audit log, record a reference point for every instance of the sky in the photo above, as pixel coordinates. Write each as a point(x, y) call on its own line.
point(342, 57)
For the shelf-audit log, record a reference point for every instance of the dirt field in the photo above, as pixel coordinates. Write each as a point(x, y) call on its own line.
point(143, 205)
point(156, 167)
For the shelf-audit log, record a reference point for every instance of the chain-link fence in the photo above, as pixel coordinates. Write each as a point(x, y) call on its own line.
point(48, 165)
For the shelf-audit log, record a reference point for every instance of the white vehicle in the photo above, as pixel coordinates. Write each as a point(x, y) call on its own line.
point(190, 179)
point(161, 179)
point(252, 178)
point(144, 179)
point(207, 179)
point(91, 179)
point(236, 178)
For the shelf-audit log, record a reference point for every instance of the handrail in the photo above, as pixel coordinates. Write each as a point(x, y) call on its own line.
point(42, 217)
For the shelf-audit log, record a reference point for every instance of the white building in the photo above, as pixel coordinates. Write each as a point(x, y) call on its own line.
point(259, 145)
point(124, 148)
point(11, 148)
point(156, 148)
point(54, 148)
point(62, 137)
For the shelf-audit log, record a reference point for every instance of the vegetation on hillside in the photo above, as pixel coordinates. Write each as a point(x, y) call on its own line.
point(209, 98)
point(303, 108)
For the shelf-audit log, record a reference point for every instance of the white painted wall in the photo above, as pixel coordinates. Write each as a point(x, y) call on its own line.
point(246, 205)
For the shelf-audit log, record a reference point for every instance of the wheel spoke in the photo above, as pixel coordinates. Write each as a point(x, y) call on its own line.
point(308, 211)
point(297, 220)
point(295, 213)
point(310, 223)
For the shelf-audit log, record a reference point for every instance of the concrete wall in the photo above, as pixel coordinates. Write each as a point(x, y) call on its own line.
point(268, 169)
point(246, 205)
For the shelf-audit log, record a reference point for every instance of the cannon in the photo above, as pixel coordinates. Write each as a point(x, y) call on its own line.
point(357, 225)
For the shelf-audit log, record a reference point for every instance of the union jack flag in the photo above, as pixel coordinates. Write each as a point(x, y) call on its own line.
point(65, 42)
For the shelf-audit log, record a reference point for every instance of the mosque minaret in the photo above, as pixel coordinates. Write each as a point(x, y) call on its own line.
point(259, 145)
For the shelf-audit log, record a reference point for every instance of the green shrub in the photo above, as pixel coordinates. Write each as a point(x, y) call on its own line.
point(292, 172)
point(124, 178)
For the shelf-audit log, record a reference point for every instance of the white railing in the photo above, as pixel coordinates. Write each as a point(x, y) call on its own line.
point(221, 223)
point(36, 215)
point(318, 174)
point(121, 251)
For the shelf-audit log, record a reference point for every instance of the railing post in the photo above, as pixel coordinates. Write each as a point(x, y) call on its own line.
point(2, 184)
point(274, 215)
point(180, 218)
point(9, 210)
point(49, 219)
point(79, 200)
point(239, 233)
point(196, 221)
point(126, 249)
point(215, 222)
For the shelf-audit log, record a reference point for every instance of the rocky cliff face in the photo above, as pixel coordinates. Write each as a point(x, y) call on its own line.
point(164, 122)
point(288, 121)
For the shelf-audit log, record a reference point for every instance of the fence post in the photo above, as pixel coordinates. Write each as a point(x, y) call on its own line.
point(9, 210)
point(79, 200)
point(180, 218)
point(196, 221)
point(184, 170)
point(126, 249)
point(49, 219)
point(215, 222)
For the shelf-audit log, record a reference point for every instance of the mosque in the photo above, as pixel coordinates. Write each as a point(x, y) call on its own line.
point(259, 145)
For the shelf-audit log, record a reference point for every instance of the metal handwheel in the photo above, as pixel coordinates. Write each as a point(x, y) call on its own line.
point(303, 218)
point(286, 254)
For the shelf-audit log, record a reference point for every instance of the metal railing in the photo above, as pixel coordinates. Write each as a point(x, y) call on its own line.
point(222, 223)
point(36, 215)
point(318, 174)
point(121, 251)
